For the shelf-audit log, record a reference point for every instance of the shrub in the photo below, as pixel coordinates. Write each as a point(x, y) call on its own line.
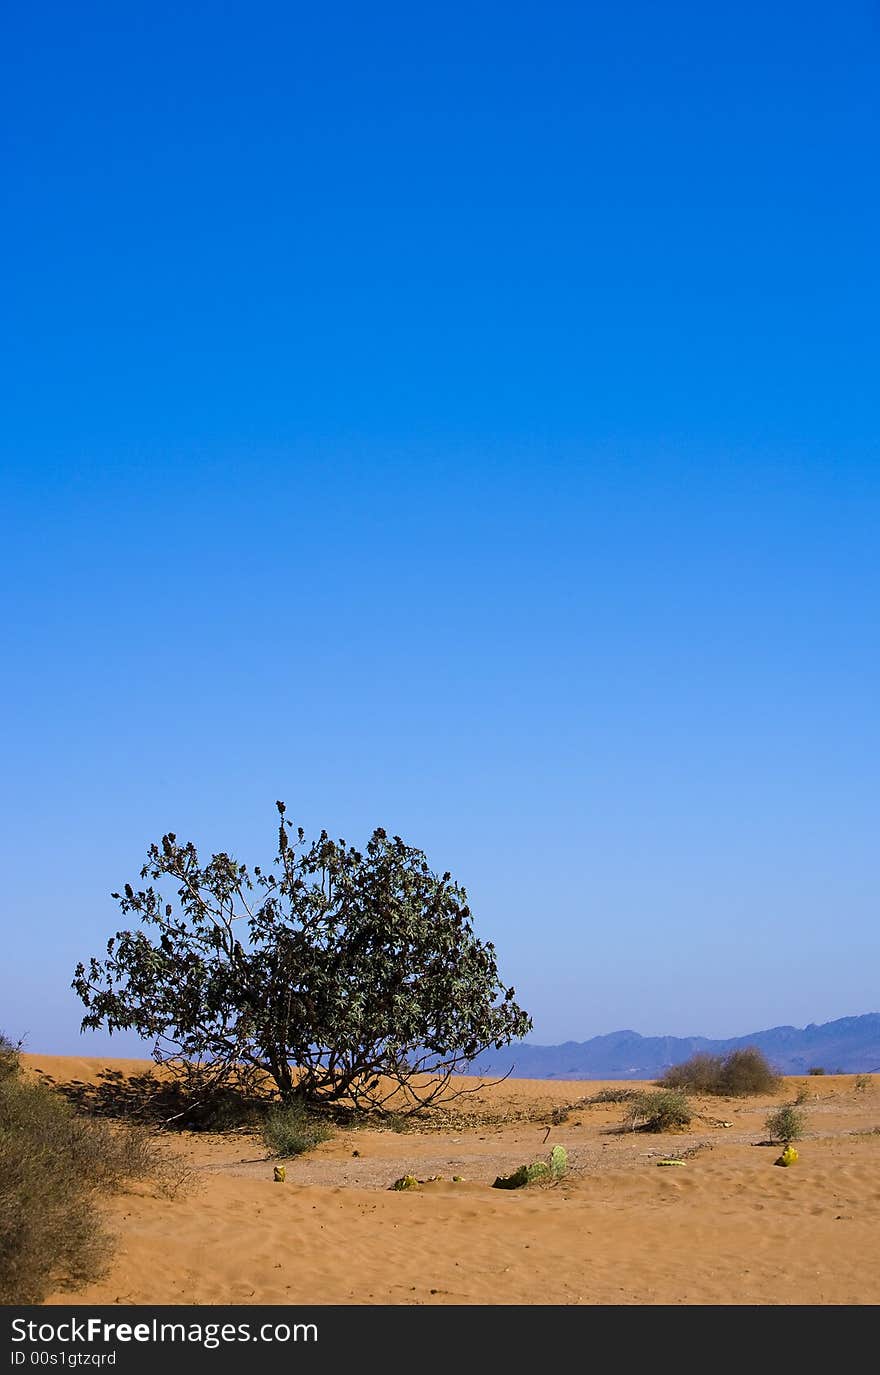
point(786, 1124)
point(613, 1095)
point(863, 1081)
point(53, 1167)
point(700, 1074)
point(663, 1110)
point(290, 1129)
point(734, 1075)
point(9, 1061)
point(815, 1069)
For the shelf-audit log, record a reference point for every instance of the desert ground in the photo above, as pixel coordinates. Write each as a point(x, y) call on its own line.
point(726, 1227)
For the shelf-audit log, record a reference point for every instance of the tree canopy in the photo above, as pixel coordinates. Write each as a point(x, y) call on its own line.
point(346, 977)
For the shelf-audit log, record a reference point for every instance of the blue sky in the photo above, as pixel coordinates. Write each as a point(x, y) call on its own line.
point(464, 422)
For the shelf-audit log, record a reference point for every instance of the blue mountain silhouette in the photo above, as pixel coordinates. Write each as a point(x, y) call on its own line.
point(850, 1044)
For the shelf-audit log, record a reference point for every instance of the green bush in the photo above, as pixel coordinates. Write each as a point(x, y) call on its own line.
point(53, 1168)
point(290, 1129)
point(659, 1111)
point(786, 1124)
point(815, 1069)
point(735, 1075)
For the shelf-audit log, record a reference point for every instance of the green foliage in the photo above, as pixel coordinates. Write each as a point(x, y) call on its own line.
point(54, 1166)
point(290, 1129)
point(539, 1172)
point(863, 1082)
point(361, 969)
point(405, 1182)
point(737, 1074)
point(558, 1161)
point(536, 1172)
point(786, 1124)
point(816, 1069)
point(659, 1111)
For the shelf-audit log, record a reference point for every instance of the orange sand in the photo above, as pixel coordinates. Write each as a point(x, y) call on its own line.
point(726, 1228)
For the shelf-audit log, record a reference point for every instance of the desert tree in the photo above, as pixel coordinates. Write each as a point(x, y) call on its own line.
point(346, 977)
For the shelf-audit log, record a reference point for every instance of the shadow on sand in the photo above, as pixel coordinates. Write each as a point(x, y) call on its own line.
point(159, 1102)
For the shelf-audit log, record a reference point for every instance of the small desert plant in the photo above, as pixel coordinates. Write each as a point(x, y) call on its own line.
point(660, 1111)
point(539, 1172)
point(863, 1082)
point(290, 1129)
point(734, 1075)
point(558, 1162)
point(535, 1173)
point(53, 1167)
point(816, 1069)
point(801, 1096)
point(614, 1095)
point(786, 1124)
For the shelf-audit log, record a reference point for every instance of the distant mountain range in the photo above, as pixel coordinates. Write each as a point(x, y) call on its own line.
point(851, 1045)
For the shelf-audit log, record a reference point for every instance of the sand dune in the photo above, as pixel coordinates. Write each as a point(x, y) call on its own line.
point(728, 1227)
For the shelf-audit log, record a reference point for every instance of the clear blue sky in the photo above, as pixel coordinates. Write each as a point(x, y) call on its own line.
point(462, 420)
